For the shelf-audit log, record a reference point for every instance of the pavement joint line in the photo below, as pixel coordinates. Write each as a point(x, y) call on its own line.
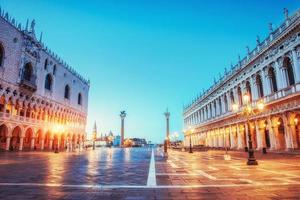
point(213, 168)
point(101, 187)
point(173, 165)
point(151, 181)
point(281, 173)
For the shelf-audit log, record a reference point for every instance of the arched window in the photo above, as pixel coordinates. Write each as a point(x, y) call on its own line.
point(28, 71)
point(272, 77)
point(248, 90)
point(46, 64)
point(290, 72)
point(232, 100)
point(67, 92)
point(1, 55)
point(260, 90)
point(79, 101)
point(240, 97)
point(48, 82)
point(54, 69)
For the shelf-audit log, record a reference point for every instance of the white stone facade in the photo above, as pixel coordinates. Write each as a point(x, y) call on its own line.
point(269, 73)
point(43, 102)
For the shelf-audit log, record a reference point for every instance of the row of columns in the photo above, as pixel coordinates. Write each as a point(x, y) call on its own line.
point(223, 103)
point(266, 133)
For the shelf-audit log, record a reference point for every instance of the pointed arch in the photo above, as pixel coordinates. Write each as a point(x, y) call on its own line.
point(48, 82)
point(28, 72)
point(67, 92)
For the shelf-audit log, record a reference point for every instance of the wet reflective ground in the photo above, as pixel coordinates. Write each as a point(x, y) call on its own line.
point(104, 166)
point(142, 174)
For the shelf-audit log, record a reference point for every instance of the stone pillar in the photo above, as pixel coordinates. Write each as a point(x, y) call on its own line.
point(231, 138)
point(271, 134)
point(266, 82)
point(279, 76)
point(239, 138)
point(293, 136)
point(7, 143)
point(254, 90)
point(21, 143)
point(32, 143)
point(296, 66)
point(258, 136)
point(50, 144)
point(123, 115)
point(42, 143)
point(287, 134)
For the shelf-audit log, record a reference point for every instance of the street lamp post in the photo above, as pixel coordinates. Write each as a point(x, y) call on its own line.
point(248, 110)
point(191, 149)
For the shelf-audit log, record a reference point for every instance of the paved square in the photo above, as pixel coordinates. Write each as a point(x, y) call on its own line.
point(140, 173)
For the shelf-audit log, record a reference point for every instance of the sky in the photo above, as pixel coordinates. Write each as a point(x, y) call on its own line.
point(145, 56)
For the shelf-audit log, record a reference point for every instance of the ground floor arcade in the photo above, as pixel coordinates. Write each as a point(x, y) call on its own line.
point(274, 132)
point(18, 137)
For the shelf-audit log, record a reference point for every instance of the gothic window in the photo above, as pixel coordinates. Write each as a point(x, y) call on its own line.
point(1, 55)
point(248, 90)
point(48, 82)
point(290, 72)
point(28, 71)
point(54, 69)
point(67, 92)
point(240, 97)
point(272, 76)
point(46, 64)
point(260, 90)
point(79, 101)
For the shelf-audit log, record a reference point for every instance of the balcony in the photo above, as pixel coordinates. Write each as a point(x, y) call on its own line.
point(28, 82)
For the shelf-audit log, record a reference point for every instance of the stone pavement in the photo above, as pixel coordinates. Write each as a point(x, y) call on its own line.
point(123, 174)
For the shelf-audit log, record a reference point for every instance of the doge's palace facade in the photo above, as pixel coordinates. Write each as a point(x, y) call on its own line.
point(269, 73)
point(43, 101)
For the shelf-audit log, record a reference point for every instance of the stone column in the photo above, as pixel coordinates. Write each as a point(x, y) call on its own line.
point(254, 90)
point(293, 136)
point(271, 134)
point(123, 115)
point(266, 82)
point(287, 134)
point(239, 137)
point(42, 143)
point(279, 75)
point(50, 143)
point(21, 143)
point(32, 143)
point(231, 137)
point(7, 143)
point(296, 66)
point(258, 136)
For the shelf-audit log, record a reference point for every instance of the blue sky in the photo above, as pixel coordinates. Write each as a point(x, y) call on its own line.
point(144, 56)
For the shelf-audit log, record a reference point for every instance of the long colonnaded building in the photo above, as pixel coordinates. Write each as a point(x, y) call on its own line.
point(270, 73)
point(43, 101)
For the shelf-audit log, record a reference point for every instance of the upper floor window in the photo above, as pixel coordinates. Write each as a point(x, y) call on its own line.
point(248, 90)
point(272, 79)
point(67, 92)
point(240, 97)
point(79, 100)
point(287, 65)
point(260, 90)
point(232, 98)
point(54, 69)
point(1, 55)
point(28, 72)
point(46, 64)
point(48, 82)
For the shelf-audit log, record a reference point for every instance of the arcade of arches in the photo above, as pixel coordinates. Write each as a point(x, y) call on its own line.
point(278, 132)
point(20, 138)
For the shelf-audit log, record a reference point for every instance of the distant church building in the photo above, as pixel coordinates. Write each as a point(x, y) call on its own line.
point(43, 101)
point(269, 74)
